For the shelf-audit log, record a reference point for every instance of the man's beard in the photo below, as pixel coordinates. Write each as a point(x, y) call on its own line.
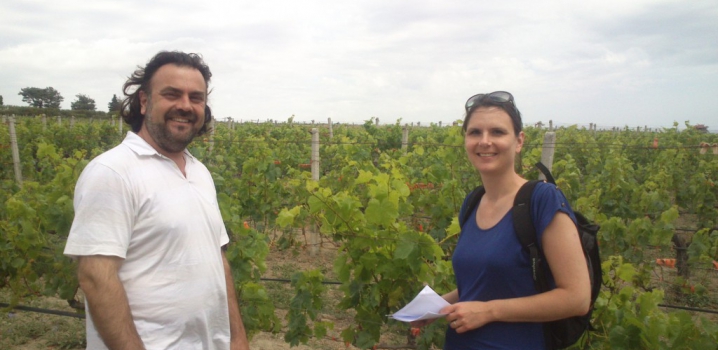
point(164, 137)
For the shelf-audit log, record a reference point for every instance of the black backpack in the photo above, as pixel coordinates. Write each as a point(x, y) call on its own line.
point(566, 332)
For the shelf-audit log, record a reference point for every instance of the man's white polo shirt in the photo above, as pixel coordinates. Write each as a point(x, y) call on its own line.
point(136, 204)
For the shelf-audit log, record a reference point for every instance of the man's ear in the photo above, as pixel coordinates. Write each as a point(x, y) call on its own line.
point(143, 102)
point(207, 113)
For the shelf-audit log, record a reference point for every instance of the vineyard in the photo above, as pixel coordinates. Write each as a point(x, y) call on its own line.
point(386, 201)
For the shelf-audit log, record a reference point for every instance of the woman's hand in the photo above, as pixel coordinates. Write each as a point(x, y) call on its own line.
point(450, 297)
point(466, 316)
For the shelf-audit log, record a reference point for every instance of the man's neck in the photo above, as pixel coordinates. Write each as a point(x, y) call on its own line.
point(177, 157)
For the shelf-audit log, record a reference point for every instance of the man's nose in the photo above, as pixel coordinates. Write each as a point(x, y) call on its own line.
point(184, 103)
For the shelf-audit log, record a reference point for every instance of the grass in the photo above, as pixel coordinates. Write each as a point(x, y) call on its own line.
point(281, 292)
point(29, 330)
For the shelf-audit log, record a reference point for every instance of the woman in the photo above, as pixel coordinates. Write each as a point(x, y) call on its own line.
point(495, 304)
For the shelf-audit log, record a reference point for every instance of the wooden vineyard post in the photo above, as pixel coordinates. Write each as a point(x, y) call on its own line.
point(119, 121)
point(549, 147)
point(72, 121)
point(331, 130)
point(405, 139)
point(15, 151)
point(44, 123)
point(315, 154)
point(681, 256)
point(314, 234)
point(59, 120)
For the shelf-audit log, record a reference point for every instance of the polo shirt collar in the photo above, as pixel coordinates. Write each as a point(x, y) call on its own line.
point(138, 145)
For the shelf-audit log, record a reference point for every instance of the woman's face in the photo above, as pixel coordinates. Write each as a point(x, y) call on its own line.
point(490, 140)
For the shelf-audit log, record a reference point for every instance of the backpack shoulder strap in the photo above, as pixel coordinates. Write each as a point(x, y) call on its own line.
point(544, 170)
point(471, 203)
point(523, 224)
point(526, 233)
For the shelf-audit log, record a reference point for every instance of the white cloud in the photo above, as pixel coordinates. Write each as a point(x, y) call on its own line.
point(602, 61)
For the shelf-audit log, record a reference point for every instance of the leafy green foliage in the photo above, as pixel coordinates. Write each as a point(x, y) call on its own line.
point(36, 221)
point(392, 214)
point(628, 318)
point(307, 303)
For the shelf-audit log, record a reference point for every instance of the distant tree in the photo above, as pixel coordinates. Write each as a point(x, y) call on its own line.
point(83, 103)
point(1, 100)
point(41, 98)
point(114, 104)
point(699, 127)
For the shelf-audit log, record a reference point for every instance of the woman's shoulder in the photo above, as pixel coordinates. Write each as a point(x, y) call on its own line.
point(545, 185)
point(547, 199)
point(544, 188)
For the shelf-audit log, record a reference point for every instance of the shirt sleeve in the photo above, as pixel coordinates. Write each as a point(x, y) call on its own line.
point(546, 201)
point(104, 214)
point(223, 234)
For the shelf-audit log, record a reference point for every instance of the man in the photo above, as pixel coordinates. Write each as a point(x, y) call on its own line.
point(148, 233)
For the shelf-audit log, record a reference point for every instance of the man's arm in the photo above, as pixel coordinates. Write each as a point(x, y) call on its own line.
point(107, 301)
point(236, 326)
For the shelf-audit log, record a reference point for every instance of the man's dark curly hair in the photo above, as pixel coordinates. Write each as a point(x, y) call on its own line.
point(131, 108)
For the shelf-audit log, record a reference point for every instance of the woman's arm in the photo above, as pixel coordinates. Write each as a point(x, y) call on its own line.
point(451, 297)
point(571, 297)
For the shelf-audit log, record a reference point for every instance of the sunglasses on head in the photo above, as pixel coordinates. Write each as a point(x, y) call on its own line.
point(496, 96)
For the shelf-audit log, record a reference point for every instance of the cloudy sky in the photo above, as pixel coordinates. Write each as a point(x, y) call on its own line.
point(609, 62)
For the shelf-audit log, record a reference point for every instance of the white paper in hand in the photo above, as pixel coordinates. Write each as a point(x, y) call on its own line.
point(425, 306)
